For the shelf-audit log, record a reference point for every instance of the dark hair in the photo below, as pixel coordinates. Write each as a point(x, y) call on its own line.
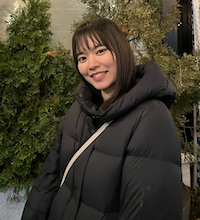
point(106, 32)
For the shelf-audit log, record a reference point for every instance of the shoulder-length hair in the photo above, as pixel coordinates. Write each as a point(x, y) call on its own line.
point(105, 32)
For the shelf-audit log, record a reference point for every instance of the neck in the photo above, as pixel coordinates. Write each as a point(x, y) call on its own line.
point(106, 95)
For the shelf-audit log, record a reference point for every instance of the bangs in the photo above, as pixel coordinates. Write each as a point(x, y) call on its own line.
point(98, 32)
point(81, 42)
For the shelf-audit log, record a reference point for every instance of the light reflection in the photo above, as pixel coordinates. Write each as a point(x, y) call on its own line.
point(14, 7)
point(6, 8)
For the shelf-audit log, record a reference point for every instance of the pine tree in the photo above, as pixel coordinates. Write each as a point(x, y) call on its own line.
point(145, 26)
point(35, 92)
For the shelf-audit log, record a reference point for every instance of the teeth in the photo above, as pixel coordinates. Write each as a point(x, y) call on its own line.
point(98, 74)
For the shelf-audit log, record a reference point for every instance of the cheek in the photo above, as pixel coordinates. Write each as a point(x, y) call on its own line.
point(81, 69)
point(111, 61)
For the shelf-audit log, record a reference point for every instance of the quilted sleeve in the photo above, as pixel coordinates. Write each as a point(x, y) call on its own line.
point(45, 186)
point(151, 185)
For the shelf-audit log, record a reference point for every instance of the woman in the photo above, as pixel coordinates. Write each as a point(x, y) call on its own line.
point(132, 170)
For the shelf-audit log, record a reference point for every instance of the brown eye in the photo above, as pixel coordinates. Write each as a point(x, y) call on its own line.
point(101, 50)
point(81, 59)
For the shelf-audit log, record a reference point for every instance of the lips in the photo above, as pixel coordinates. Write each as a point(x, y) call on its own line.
point(96, 75)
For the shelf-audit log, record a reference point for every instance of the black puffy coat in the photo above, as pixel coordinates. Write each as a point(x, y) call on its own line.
point(131, 171)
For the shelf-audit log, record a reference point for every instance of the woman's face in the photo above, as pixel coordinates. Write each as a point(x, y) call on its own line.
point(99, 67)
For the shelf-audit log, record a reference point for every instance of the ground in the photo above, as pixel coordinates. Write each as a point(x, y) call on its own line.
point(11, 210)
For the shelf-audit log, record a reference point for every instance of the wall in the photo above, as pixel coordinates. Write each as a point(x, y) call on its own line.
point(196, 23)
point(64, 12)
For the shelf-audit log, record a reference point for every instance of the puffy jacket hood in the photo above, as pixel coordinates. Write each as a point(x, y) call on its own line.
point(151, 83)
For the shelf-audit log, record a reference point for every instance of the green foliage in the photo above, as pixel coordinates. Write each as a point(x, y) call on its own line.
point(66, 77)
point(35, 93)
point(195, 204)
point(145, 26)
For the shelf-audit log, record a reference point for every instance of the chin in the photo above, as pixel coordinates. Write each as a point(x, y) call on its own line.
point(101, 87)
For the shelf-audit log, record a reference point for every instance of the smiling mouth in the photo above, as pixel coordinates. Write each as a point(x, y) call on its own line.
point(99, 74)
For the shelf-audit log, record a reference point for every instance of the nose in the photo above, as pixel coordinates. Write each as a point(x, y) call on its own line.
point(93, 62)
